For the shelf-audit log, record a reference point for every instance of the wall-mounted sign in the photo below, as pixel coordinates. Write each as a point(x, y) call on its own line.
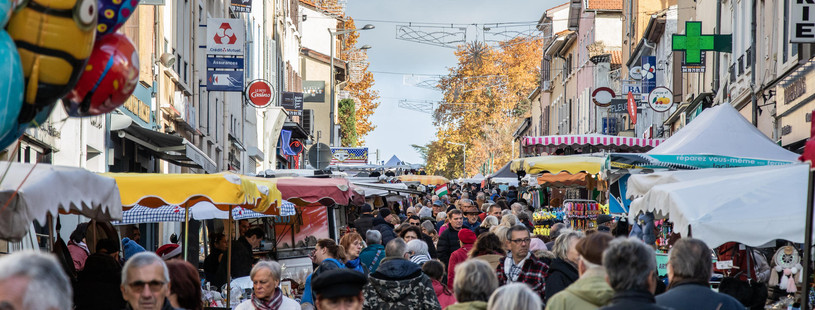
point(618, 106)
point(314, 91)
point(631, 86)
point(694, 43)
point(661, 99)
point(225, 80)
point(296, 146)
point(349, 155)
point(293, 103)
point(260, 93)
point(694, 68)
point(225, 36)
point(802, 21)
point(632, 108)
point(224, 63)
point(635, 73)
point(602, 96)
point(649, 73)
point(795, 90)
point(241, 6)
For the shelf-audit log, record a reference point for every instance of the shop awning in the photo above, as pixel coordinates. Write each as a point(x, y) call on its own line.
point(425, 179)
point(580, 179)
point(557, 164)
point(174, 149)
point(307, 191)
point(385, 189)
point(600, 141)
point(297, 131)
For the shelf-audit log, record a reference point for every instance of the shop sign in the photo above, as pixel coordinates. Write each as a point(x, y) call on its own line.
point(225, 36)
point(632, 108)
point(293, 103)
point(260, 93)
point(139, 108)
point(661, 99)
point(225, 80)
point(214, 62)
point(786, 130)
point(241, 6)
point(617, 106)
point(694, 68)
point(296, 146)
point(602, 96)
point(649, 73)
point(795, 90)
point(631, 86)
point(695, 44)
point(802, 21)
point(314, 91)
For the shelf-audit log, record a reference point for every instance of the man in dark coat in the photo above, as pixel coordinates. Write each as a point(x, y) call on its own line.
point(365, 220)
point(448, 241)
point(630, 267)
point(242, 258)
point(384, 227)
point(98, 285)
point(399, 283)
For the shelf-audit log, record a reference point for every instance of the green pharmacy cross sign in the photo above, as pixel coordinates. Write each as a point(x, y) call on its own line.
point(694, 43)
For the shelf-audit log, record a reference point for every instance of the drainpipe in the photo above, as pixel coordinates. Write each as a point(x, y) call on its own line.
point(716, 59)
point(753, 73)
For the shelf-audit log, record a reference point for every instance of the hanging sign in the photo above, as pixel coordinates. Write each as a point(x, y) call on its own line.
point(802, 21)
point(241, 6)
point(632, 108)
point(661, 99)
point(293, 103)
point(649, 73)
point(694, 43)
point(225, 36)
point(225, 80)
point(602, 96)
point(260, 93)
point(635, 73)
point(296, 146)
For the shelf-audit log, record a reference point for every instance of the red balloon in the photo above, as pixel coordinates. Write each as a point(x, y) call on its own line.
point(109, 78)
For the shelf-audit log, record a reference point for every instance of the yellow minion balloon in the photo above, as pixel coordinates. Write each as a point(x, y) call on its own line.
point(54, 39)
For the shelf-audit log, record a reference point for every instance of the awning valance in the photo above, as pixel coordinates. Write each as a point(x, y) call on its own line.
point(564, 180)
point(174, 149)
point(628, 143)
point(557, 164)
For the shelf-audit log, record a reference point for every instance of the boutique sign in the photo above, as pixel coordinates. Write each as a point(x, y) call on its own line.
point(260, 93)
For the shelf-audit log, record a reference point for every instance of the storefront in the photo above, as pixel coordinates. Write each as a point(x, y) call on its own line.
point(794, 107)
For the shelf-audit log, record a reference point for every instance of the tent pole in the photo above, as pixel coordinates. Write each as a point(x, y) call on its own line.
point(51, 232)
point(186, 231)
point(229, 260)
point(807, 245)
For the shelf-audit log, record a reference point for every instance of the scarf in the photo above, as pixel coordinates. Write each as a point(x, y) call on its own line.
point(355, 264)
point(512, 270)
point(81, 245)
point(271, 304)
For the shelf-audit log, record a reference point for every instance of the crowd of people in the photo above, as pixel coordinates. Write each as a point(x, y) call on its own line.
point(447, 252)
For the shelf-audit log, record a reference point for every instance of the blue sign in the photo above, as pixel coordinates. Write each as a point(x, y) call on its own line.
point(649, 73)
point(225, 80)
point(224, 63)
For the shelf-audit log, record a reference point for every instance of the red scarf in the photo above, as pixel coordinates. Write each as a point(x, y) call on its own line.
point(273, 303)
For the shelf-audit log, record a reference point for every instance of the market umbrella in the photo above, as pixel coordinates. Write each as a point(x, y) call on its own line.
point(203, 210)
point(30, 192)
point(556, 164)
point(425, 179)
point(306, 191)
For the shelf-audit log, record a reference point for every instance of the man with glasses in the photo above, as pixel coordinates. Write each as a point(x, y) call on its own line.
point(471, 220)
point(146, 282)
point(520, 265)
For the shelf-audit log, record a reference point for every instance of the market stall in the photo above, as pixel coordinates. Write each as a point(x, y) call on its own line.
point(424, 179)
point(590, 143)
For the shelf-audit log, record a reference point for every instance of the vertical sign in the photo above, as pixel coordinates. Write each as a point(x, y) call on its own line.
point(649, 73)
point(802, 21)
point(632, 108)
point(293, 102)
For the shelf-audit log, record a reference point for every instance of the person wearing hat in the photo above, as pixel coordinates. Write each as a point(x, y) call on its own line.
point(466, 239)
point(131, 247)
point(365, 220)
point(591, 290)
point(384, 226)
point(339, 289)
point(169, 251)
point(604, 222)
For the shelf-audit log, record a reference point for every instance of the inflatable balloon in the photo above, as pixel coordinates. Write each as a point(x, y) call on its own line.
point(110, 77)
point(54, 39)
point(11, 90)
point(113, 14)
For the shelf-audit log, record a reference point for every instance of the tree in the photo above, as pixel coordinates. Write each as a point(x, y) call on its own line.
point(485, 99)
point(347, 120)
point(366, 97)
point(422, 150)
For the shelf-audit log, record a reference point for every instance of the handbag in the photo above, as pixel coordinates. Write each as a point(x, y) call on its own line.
point(751, 294)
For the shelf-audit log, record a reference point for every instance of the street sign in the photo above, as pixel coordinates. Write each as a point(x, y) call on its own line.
point(694, 43)
point(225, 36)
point(802, 21)
point(632, 108)
point(260, 93)
point(214, 62)
point(225, 80)
point(661, 99)
point(602, 96)
point(293, 103)
point(319, 156)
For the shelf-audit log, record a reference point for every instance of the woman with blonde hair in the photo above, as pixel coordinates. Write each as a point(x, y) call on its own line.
point(352, 243)
point(563, 270)
point(509, 220)
point(501, 232)
point(489, 222)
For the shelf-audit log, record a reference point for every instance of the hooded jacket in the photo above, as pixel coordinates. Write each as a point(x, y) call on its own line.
point(399, 284)
point(384, 228)
point(457, 257)
point(589, 292)
point(561, 275)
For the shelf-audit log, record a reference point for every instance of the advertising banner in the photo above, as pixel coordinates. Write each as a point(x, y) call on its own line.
point(293, 103)
point(349, 155)
point(225, 80)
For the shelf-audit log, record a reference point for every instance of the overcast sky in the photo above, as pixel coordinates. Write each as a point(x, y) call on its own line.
point(390, 58)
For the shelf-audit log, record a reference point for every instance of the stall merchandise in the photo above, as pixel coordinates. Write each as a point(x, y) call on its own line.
point(582, 213)
point(544, 219)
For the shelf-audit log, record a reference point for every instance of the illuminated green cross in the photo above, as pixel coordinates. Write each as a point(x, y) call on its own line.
point(693, 43)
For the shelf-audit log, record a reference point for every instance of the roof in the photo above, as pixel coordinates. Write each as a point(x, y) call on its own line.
point(617, 57)
point(604, 5)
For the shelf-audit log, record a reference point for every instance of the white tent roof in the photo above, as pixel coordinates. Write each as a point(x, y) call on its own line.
point(753, 205)
point(475, 179)
point(381, 189)
point(721, 130)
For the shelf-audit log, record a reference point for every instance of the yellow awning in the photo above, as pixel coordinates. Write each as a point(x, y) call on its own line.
point(557, 164)
point(425, 179)
point(222, 189)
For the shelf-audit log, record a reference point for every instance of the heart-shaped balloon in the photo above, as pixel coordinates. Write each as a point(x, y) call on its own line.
point(113, 14)
point(11, 90)
point(109, 78)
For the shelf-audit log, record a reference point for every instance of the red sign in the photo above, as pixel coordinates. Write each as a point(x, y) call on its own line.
point(225, 35)
point(632, 108)
point(259, 93)
point(602, 96)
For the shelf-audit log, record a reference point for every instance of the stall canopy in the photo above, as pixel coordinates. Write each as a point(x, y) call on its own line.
point(307, 191)
point(504, 176)
point(563, 179)
point(385, 189)
point(750, 205)
point(30, 192)
point(615, 143)
point(203, 210)
point(476, 179)
point(424, 179)
point(556, 164)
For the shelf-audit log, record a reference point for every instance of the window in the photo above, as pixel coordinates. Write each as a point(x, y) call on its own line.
point(788, 50)
point(308, 121)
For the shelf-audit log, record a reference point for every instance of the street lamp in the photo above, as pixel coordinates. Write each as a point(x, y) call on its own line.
point(463, 151)
point(334, 34)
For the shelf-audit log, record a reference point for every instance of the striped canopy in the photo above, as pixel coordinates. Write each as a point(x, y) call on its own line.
point(593, 140)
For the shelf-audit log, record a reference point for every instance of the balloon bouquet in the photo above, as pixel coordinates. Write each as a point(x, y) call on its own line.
point(63, 49)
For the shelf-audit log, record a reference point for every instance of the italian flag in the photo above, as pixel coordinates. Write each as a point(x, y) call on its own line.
point(441, 190)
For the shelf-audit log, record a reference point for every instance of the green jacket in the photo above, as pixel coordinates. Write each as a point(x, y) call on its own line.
point(470, 305)
point(589, 292)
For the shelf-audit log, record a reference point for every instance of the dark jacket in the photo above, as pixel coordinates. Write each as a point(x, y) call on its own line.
point(384, 228)
point(211, 264)
point(364, 223)
point(166, 306)
point(399, 284)
point(561, 275)
point(242, 260)
point(98, 284)
point(431, 248)
point(640, 300)
point(448, 243)
point(469, 226)
point(480, 230)
point(696, 296)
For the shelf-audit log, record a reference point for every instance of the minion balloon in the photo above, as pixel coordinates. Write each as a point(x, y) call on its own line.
point(54, 39)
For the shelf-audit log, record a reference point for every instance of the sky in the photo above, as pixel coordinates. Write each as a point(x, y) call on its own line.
point(390, 59)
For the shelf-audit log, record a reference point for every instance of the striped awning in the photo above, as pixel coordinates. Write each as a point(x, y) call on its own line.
point(595, 140)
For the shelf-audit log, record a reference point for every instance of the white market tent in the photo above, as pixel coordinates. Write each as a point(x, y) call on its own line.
point(751, 205)
point(383, 189)
point(476, 179)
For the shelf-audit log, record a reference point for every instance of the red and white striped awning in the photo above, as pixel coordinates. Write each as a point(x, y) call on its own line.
point(595, 140)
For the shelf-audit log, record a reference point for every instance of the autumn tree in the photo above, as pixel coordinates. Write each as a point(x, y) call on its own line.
point(347, 122)
point(362, 91)
point(485, 99)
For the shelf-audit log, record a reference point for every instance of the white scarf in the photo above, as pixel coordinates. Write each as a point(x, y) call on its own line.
point(509, 263)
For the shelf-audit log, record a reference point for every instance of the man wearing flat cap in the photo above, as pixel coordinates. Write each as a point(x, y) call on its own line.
point(339, 289)
point(604, 222)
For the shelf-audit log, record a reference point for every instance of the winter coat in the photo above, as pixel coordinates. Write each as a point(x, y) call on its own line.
point(384, 228)
point(242, 261)
point(431, 248)
point(640, 300)
point(696, 296)
point(533, 272)
point(561, 275)
point(589, 292)
point(480, 230)
point(473, 227)
point(364, 223)
point(288, 304)
point(492, 259)
point(470, 305)
point(448, 243)
point(457, 257)
point(399, 284)
point(371, 256)
point(98, 284)
point(446, 297)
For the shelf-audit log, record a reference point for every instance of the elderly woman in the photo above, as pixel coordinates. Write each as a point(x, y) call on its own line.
point(563, 270)
point(501, 232)
point(509, 220)
point(267, 295)
point(441, 222)
point(429, 229)
point(474, 283)
point(489, 222)
point(352, 243)
point(417, 249)
point(514, 296)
